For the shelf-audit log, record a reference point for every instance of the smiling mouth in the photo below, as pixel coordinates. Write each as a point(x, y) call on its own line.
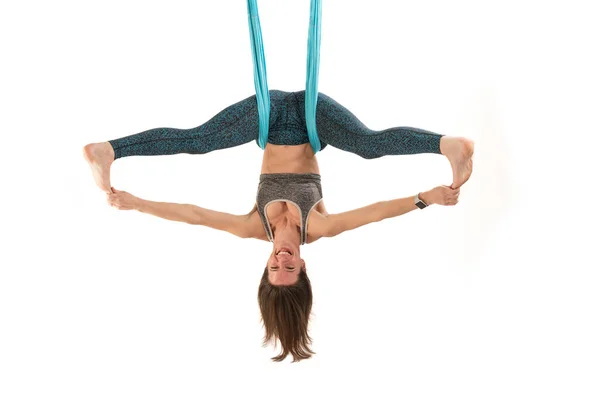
point(284, 251)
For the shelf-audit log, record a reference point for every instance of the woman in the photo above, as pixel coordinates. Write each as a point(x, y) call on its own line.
point(289, 209)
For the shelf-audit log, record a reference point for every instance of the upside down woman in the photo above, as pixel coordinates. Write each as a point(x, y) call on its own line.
point(289, 210)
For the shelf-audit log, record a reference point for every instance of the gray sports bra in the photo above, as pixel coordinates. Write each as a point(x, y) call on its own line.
point(304, 190)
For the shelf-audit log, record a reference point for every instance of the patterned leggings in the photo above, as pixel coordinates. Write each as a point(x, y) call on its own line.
point(238, 124)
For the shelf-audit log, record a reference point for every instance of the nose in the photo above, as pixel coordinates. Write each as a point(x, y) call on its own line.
point(283, 258)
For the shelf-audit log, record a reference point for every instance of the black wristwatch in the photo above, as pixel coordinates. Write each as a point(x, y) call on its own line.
point(420, 203)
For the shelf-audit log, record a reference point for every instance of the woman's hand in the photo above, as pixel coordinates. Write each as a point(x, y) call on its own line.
point(122, 200)
point(443, 195)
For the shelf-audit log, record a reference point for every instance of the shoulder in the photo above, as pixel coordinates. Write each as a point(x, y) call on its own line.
point(318, 226)
point(253, 227)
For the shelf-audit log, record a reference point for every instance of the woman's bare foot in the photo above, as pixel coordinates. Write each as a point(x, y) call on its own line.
point(459, 152)
point(100, 156)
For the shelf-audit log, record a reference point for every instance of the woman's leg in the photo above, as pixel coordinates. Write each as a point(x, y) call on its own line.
point(234, 126)
point(338, 127)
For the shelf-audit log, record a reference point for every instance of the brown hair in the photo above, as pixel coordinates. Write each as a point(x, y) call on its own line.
point(285, 311)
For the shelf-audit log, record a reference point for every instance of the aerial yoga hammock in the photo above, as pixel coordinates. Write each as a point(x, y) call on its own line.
point(312, 73)
point(282, 118)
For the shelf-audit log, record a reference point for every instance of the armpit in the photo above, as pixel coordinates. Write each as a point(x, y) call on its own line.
point(255, 225)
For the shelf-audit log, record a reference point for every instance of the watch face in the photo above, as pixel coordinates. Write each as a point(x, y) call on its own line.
point(420, 204)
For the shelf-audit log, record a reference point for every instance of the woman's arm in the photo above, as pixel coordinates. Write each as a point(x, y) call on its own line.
point(346, 221)
point(239, 225)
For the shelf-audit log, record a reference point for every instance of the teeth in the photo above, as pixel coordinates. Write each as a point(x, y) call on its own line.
point(284, 252)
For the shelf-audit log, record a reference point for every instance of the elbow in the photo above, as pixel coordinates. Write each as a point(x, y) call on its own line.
point(193, 219)
point(195, 216)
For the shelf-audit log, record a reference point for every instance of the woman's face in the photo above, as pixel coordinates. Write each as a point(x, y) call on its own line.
point(284, 265)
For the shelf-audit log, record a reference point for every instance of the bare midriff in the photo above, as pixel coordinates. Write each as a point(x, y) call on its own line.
point(278, 159)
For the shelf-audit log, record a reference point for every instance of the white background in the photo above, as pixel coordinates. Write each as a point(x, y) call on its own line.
point(496, 298)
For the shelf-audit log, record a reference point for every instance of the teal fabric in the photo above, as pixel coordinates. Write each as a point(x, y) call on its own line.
point(260, 73)
point(312, 73)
